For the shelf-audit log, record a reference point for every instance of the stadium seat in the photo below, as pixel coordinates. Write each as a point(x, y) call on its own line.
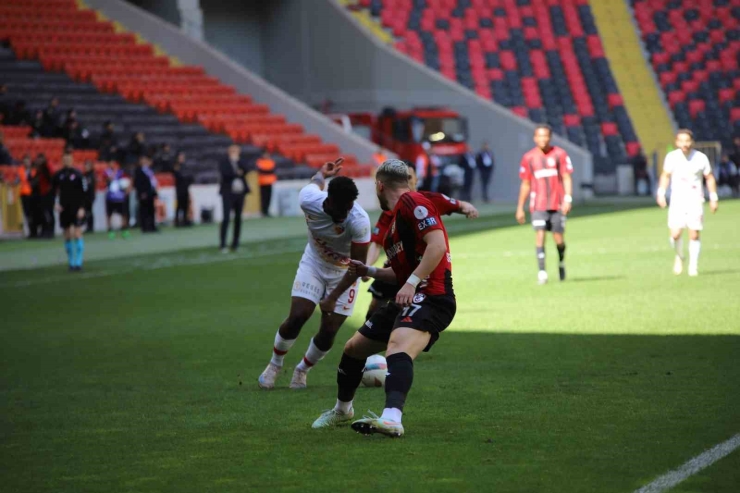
point(695, 51)
point(541, 59)
point(66, 38)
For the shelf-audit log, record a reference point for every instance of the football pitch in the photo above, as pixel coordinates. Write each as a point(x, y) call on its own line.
point(139, 375)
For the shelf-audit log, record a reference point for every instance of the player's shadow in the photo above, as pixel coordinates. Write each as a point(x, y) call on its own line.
point(596, 278)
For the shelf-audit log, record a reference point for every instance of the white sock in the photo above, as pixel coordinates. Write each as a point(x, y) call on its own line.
point(280, 348)
point(678, 246)
point(694, 250)
point(343, 407)
point(392, 414)
point(313, 356)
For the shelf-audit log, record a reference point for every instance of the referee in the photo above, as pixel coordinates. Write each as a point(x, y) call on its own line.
point(70, 187)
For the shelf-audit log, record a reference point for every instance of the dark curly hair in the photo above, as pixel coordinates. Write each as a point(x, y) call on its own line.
point(343, 191)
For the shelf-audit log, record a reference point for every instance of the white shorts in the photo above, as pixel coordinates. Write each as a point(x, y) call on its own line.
point(689, 216)
point(313, 282)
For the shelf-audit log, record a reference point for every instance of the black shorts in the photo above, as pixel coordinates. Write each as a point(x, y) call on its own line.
point(115, 208)
point(382, 290)
point(68, 218)
point(549, 221)
point(431, 314)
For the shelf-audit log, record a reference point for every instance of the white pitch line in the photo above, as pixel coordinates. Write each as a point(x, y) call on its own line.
point(701, 461)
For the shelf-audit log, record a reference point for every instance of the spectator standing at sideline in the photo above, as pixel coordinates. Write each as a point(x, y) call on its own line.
point(468, 164)
point(43, 190)
point(485, 163)
point(267, 177)
point(117, 198)
point(90, 198)
point(25, 177)
point(146, 191)
point(5, 157)
point(233, 189)
point(182, 191)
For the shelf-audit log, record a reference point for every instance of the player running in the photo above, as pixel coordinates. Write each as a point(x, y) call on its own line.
point(338, 230)
point(419, 253)
point(70, 186)
point(685, 169)
point(383, 291)
point(545, 172)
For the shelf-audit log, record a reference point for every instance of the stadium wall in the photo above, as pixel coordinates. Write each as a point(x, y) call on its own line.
point(193, 52)
point(319, 52)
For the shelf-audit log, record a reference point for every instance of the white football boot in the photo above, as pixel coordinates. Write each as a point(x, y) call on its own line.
point(375, 424)
point(267, 379)
point(299, 379)
point(678, 265)
point(333, 417)
point(542, 277)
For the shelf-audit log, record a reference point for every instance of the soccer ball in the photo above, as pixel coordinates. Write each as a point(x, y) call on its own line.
point(374, 373)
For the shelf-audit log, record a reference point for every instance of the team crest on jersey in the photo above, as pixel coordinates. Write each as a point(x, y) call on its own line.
point(419, 297)
point(339, 229)
point(376, 230)
point(420, 212)
point(551, 162)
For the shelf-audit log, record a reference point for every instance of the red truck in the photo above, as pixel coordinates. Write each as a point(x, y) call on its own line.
point(404, 132)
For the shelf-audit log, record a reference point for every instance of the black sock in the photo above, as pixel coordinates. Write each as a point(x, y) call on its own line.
point(561, 251)
point(541, 257)
point(399, 379)
point(349, 376)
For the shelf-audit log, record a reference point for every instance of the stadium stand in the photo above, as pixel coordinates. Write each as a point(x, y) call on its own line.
point(694, 48)
point(543, 59)
point(106, 74)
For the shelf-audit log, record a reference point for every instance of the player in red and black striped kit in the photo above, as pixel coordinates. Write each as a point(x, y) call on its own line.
point(382, 291)
point(545, 172)
point(425, 305)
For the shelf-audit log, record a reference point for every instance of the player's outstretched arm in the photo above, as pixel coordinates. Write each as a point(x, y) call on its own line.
point(713, 197)
point(435, 250)
point(358, 253)
point(665, 180)
point(361, 270)
point(468, 210)
point(328, 170)
point(524, 190)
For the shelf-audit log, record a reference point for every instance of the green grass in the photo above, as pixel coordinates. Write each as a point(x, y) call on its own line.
point(140, 374)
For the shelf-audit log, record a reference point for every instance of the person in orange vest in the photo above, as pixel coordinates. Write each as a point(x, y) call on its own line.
point(267, 177)
point(25, 176)
point(379, 156)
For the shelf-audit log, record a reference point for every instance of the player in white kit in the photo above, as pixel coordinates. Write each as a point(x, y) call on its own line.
point(338, 230)
point(686, 169)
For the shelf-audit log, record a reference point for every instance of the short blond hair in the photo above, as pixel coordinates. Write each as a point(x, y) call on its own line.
point(393, 173)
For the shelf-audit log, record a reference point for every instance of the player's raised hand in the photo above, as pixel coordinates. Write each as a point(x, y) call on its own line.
point(521, 218)
point(468, 209)
point(357, 268)
point(332, 168)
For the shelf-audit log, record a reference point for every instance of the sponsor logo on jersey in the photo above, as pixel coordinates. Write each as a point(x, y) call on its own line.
point(420, 212)
point(419, 297)
point(426, 223)
point(545, 173)
point(406, 320)
point(450, 200)
point(394, 250)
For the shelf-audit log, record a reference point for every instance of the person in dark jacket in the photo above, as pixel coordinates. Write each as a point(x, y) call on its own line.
point(71, 186)
point(484, 162)
point(91, 182)
point(42, 189)
point(233, 189)
point(468, 163)
point(145, 184)
point(5, 157)
point(53, 118)
point(182, 191)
